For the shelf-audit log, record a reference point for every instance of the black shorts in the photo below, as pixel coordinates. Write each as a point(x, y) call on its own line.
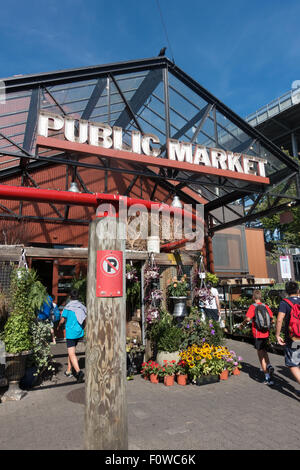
point(261, 343)
point(71, 343)
point(211, 313)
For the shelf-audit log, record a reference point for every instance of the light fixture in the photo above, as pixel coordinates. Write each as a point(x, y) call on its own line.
point(176, 202)
point(74, 188)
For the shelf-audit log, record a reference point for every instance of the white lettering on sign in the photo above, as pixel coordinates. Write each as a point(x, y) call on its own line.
point(103, 135)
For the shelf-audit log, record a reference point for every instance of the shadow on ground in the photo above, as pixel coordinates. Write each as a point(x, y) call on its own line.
point(280, 384)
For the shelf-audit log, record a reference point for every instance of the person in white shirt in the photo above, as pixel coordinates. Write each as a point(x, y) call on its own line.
point(211, 305)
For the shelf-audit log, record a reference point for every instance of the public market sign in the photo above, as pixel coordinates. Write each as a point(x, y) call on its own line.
point(101, 139)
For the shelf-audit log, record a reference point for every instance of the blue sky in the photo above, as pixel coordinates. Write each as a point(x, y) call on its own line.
point(245, 52)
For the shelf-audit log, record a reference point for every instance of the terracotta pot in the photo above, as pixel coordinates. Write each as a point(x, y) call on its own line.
point(181, 379)
point(224, 375)
point(169, 380)
point(154, 378)
point(145, 377)
point(236, 371)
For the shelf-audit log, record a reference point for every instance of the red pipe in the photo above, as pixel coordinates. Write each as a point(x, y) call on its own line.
point(88, 199)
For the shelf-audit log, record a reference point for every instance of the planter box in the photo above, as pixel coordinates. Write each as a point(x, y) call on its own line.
point(207, 379)
point(167, 356)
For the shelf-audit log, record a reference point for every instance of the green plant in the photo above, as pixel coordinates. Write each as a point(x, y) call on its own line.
point(41, 350)
point(170, 340)
point(17, 335)
point(211, 278)
point(196, 331)
point(168, 368)
point(178, 287)
point(80, 284)
point(27, 292)
point(27, 295)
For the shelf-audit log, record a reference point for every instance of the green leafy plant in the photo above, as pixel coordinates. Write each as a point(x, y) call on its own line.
point(170, 340)
point(212, 278)
point(168, 368)
point(41, 351)
point(196, 331)
point(178, 287)
point(27, 295)
point(27, 292)
point(17, 335)
point(80, 284)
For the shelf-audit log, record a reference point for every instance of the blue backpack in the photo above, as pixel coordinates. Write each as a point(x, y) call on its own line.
point(55, 313)
point(45, 311)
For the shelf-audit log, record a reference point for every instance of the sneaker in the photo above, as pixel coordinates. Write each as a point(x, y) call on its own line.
point(270, 370)
point(269, 382)
point(80, 377)
point(68, 374)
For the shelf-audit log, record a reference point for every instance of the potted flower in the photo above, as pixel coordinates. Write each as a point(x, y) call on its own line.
point(154, 372)
point(177, 290)
point(181, 372)
point(168, 371)
point(145, 370)
point(235, 363)
point(205, 363)
point(27, 296)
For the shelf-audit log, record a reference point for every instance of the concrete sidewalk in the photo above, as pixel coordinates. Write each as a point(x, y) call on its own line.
point(240, 413)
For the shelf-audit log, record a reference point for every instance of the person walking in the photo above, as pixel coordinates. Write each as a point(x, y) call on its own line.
point(211, 306)
point(45, 315)
point(73, 315)
point(260, 333)
point(291, 341)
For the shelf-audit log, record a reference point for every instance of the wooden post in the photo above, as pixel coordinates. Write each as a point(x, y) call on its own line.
point(106, 407)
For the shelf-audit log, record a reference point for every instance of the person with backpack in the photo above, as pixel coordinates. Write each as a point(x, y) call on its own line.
point(45, 314)
point(289, 311)
point(74, 316)
point(262, 317)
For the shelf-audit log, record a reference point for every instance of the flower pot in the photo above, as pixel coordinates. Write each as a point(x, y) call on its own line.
point(154, 378)
point(182, 379)
point(15, 370)
point(167, 356)
point(236, 371)
point(207, 379)
point(224, 374)
point(169, 380)
point(179, 309)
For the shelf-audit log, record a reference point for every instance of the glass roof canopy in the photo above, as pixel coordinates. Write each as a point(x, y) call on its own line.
point(152, 96)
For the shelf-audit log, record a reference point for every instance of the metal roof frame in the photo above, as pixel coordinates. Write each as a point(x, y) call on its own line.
point(159, 70)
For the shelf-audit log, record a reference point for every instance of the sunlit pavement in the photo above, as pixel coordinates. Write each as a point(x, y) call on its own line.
point(240, 413)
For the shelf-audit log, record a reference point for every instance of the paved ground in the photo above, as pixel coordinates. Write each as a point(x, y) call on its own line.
point(240, 413)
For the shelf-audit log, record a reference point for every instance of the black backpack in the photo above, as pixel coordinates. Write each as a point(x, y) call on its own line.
point(262, 318)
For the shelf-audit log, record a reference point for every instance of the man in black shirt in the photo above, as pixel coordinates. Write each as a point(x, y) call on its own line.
point(292, 345)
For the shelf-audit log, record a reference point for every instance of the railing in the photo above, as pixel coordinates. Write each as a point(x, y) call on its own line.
point(289, 99)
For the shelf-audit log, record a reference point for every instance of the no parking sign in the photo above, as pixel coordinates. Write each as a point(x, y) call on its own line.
point(109, 282)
